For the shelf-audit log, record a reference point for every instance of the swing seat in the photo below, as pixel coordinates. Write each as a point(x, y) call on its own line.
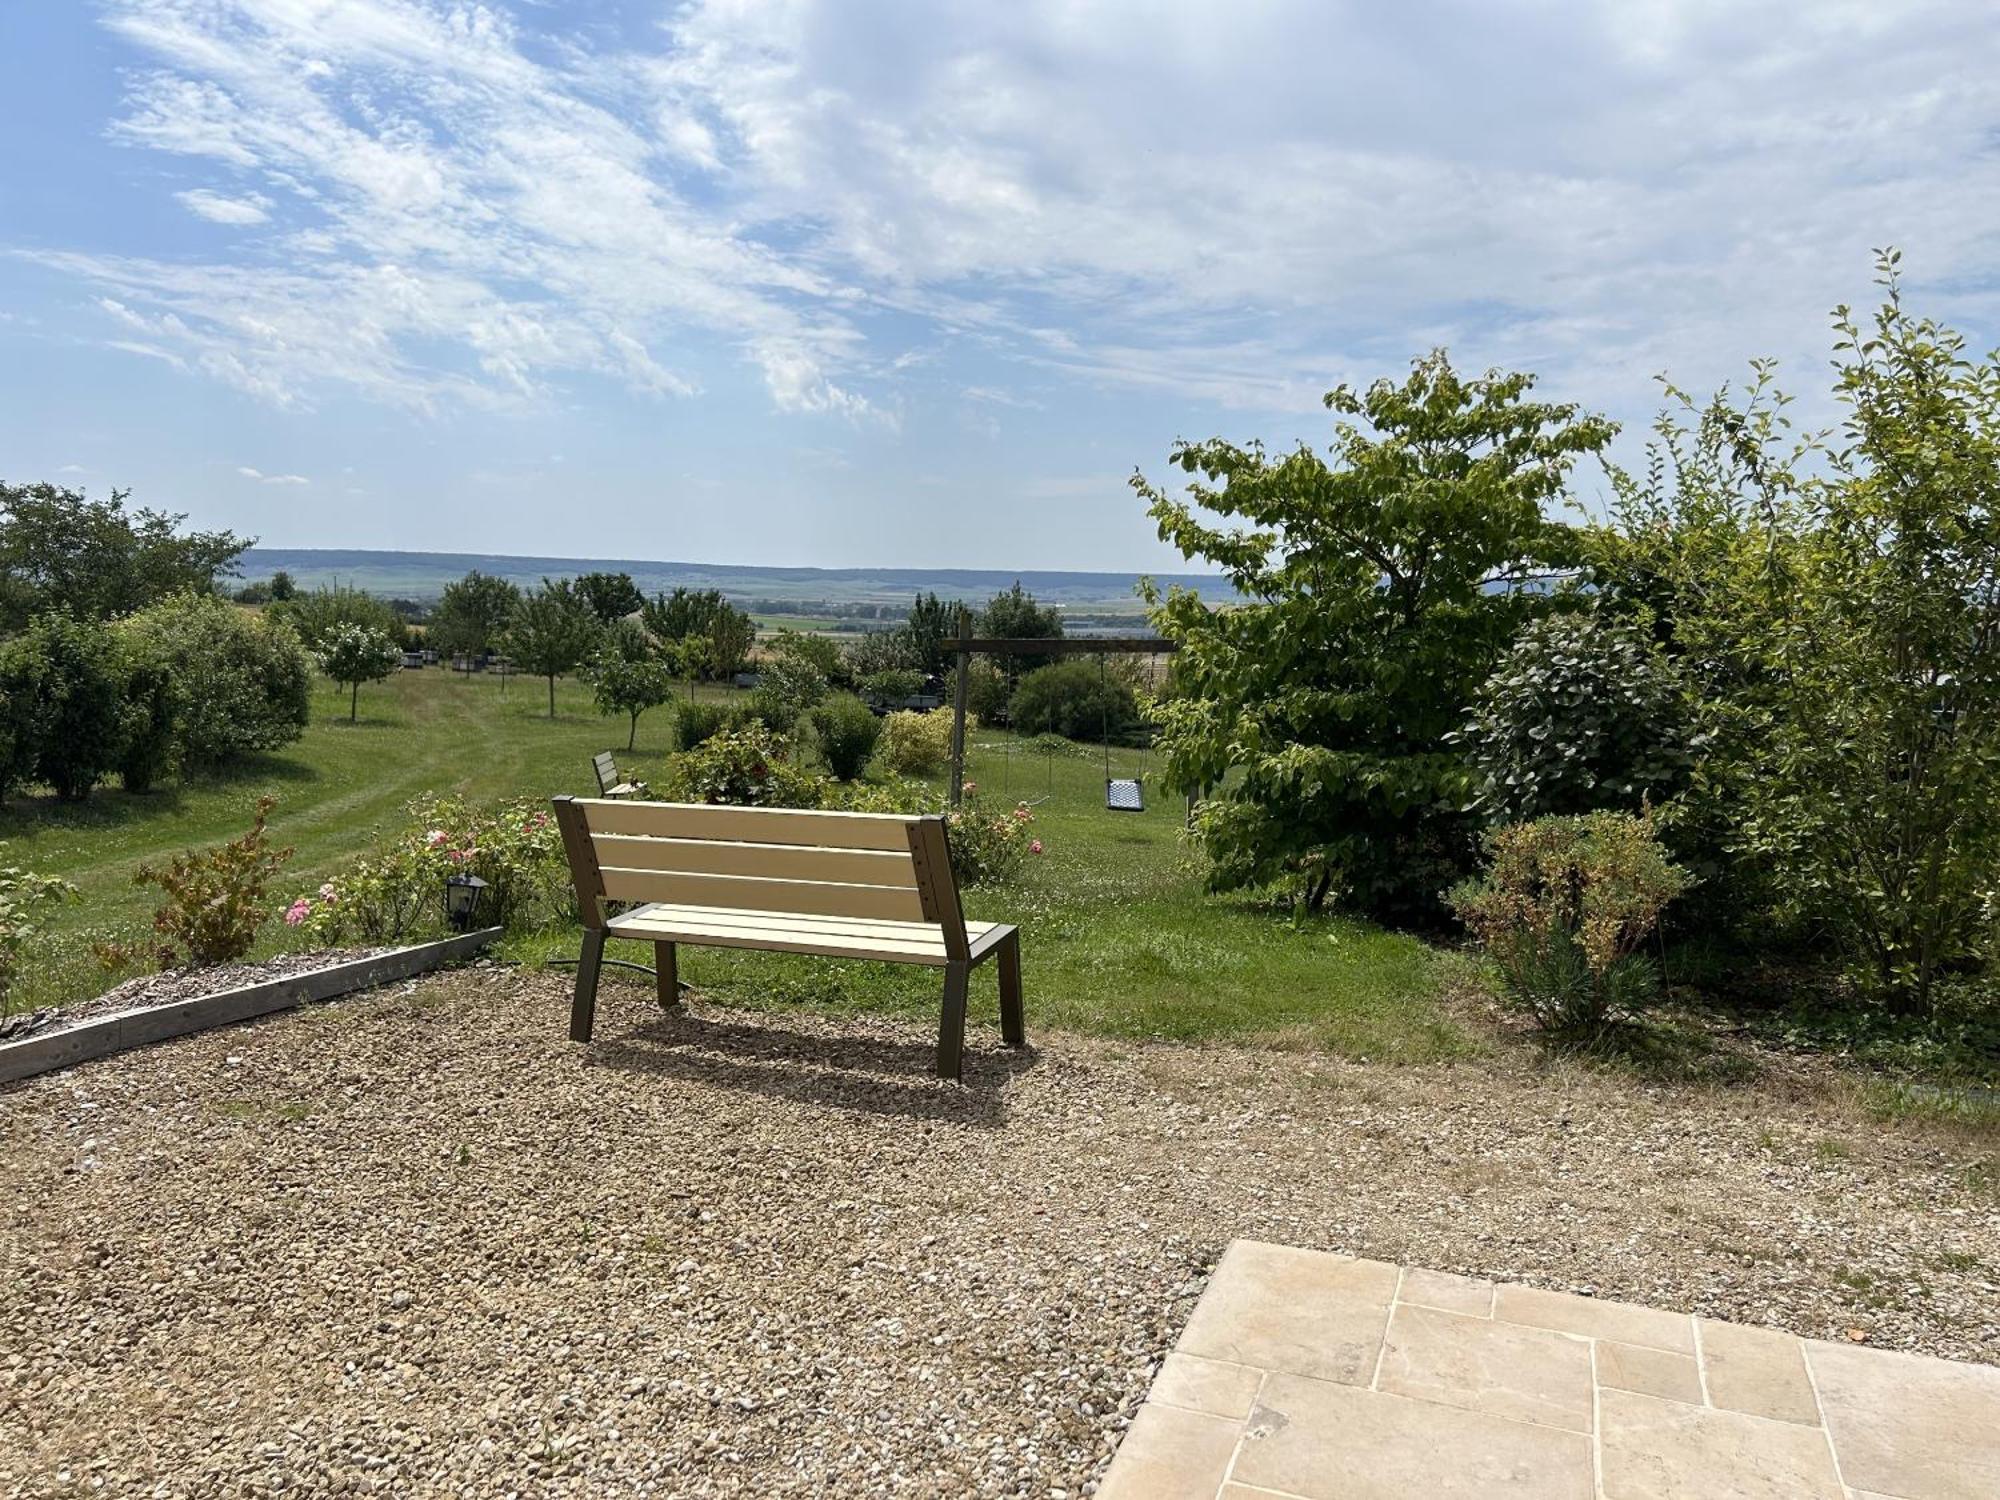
point(1125, 795)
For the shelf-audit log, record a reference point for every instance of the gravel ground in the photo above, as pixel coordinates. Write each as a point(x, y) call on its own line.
point(411, 1243)
point(175, 985)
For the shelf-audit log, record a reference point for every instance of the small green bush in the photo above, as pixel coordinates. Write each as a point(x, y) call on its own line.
point(1074, 699)
point(915, 744)
point(1562, 909)
point(81, 687)
point(149, 716)
point(847, 730)
point(746, 767)
point(695, 722)
point(215, 900)
point(23, 894)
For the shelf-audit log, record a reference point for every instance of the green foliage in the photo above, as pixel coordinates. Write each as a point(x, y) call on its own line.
point(80, 717)
point(879, 653)
point(552, 633)
point(1838, 617)
point(726, 631)
point(282, 587)
point(60, 550)
point(1076, 699)
point(244, 684)
point(609, 596)
point(745, 767)
point(1563, 908)
point(698, 720)
point(23, 896)
point(352, 654)
point(1583, 713)
point(317, 617)
point(396, 893)
point(1015, 616)
point(215, 900)
point(932, 623)
point(915, 744)
point(794, 679)
point(149, 717)
point(22, 670)
point(988, 848)
point(1378, 592)
point(627, 678)
point(892, 686)
point(846, 729)
point(473, 615)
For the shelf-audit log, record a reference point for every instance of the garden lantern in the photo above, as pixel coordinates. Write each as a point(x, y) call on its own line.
point(462, 894)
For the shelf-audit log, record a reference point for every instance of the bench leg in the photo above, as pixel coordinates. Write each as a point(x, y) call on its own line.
point(666, 975)
point(583, 1009)
point(951, 1029)
point(1013, 1016)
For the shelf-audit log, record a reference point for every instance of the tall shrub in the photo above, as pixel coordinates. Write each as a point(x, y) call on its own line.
point(245, 684)
point(81, 717)
point(1075, 699)
point(847, 730)
point(149, 716)
point(1584, 712)
point(1374, 593)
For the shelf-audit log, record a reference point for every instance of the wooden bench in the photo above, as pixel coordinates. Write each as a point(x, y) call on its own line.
point(610, 783)
point(840, 885)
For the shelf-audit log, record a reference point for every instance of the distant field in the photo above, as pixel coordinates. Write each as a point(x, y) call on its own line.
point(423, 575)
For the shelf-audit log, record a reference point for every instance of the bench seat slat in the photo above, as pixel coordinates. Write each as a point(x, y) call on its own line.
point(749, 825)
point(735, 892)
point(767, 861)
point(786, 932)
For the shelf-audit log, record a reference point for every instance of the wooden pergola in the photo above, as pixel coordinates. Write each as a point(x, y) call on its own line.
point(969, 645)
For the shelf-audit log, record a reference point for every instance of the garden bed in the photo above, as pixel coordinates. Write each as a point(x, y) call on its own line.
point(157, 1007)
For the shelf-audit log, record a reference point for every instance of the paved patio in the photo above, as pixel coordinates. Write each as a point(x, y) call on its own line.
point(1324, 1378)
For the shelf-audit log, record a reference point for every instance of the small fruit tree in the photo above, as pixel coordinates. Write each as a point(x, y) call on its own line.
point(354, 654)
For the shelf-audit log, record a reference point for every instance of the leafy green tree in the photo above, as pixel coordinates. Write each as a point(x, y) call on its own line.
point(23, 666)
point(1374, 594)
point(553, 632)
point(878, 651)
point(282, 587)
point(932, 624)
point(685, 613)
point(1584, 713)
point(473, 615)
point(319, 616)
point(60, 550)
point(352, 654)
point(611, 596)
point(244, 683)
point(629, 678)
point(794, 679)
point(1015, 616)
point(80, 718)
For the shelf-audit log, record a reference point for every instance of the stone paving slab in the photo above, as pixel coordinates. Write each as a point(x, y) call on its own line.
point(1308, 1376)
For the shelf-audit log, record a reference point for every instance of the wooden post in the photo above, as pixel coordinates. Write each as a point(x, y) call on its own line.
point(666, 975)
point(951, 1025)
point(958, 694)
point(1013, 1017)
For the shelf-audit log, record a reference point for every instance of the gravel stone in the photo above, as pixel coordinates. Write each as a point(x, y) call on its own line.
point(416, 1243)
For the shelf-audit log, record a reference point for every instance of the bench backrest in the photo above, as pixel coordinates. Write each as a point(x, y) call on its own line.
point(862, 867)
point(607, 771)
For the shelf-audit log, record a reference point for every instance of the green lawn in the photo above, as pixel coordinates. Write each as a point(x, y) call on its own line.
point(1119, 938)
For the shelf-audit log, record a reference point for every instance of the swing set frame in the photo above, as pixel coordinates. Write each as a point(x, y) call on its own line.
point(968, 645)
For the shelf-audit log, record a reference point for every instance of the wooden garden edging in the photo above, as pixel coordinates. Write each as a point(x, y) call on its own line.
point(160, 1023)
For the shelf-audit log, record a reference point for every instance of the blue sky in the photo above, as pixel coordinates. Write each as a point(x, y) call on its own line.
point(912, 283)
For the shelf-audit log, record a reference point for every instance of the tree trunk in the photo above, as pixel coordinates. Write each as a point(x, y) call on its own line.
point(633, 737)
point(552, 695)
point(353, 701)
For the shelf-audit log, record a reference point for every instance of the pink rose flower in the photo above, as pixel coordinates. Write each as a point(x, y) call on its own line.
point(297, 912)
point(1035, 847)
point(435, 837)
point(326, 891)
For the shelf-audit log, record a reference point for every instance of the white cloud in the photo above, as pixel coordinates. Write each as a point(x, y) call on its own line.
point(223, 210)
point(262, 478)
point(1217, 203)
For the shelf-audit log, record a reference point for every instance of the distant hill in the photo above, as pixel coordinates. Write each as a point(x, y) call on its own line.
point(423, 575)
